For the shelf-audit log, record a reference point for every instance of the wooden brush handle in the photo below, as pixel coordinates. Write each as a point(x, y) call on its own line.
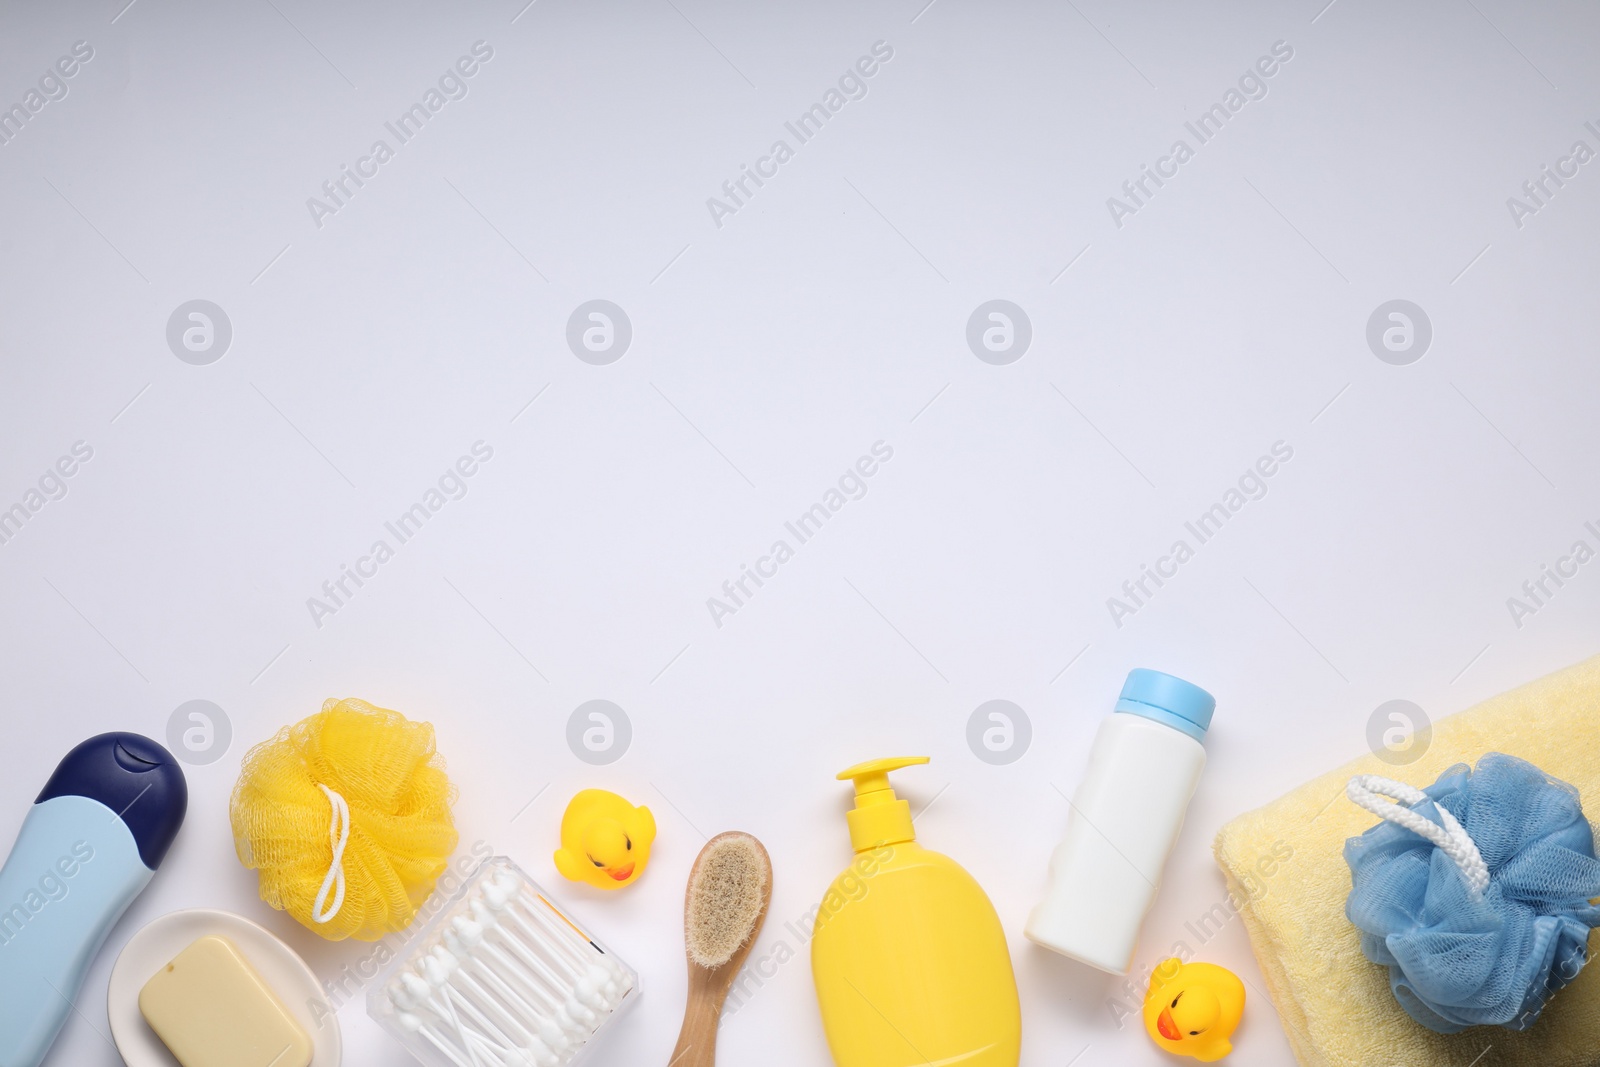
point(709, 986)
point(697, 1041)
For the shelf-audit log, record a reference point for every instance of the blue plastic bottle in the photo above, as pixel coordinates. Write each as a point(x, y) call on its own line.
point(89, 844)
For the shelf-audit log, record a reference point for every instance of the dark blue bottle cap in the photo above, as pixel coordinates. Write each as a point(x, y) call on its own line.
point(134, 777)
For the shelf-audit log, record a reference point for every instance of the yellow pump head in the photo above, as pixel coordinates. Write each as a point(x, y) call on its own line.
point(880, 818)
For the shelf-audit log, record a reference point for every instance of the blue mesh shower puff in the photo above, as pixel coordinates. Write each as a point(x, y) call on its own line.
point(1457, 958)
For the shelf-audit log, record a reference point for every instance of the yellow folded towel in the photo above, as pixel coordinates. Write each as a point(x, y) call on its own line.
point(1333, 1003)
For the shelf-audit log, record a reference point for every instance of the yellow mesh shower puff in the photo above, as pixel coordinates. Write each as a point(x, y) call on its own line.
point(286, 810)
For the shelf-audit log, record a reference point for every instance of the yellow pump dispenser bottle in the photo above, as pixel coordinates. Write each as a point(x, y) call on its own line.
point(909, 957)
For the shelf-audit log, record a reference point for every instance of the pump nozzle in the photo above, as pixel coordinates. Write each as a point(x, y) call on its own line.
point(879, 818)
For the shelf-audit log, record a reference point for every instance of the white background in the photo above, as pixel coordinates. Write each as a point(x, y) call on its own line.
point(768, 354)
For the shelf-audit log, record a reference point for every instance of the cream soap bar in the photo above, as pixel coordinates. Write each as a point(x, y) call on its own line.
point(211, 1009)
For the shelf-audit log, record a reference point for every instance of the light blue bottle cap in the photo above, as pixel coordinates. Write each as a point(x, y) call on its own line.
point(1165, 699)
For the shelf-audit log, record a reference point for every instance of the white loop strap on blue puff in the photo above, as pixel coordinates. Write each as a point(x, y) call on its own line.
point(1365, 790)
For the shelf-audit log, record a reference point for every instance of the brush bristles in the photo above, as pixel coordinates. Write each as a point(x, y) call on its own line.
point(727, 891)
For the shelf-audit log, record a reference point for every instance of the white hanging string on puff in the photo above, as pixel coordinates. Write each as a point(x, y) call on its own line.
point(1368, 791)
point(338, 837)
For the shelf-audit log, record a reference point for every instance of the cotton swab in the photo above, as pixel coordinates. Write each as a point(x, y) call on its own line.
point(502, 1002)
point(546, 1030)
point(573, 1003)
point(434, 992)
point(499, 977)
point(599, 983)
point(470, 949)
point(568, 1011)
point(415, 994)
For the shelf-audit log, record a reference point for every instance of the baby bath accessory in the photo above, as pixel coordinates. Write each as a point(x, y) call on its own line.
point(500, 977)
point(725, 905)
point(346, 815)
point(1124, 821)
point(1287, 876)
point(280, 969)
point(605, 840)
point(1192, 1009)
point(1475, 892)
point(909, 958)
point(89, 845)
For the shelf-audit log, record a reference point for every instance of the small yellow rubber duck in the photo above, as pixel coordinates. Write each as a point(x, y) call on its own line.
point(605, 841)
point(1193, 1008)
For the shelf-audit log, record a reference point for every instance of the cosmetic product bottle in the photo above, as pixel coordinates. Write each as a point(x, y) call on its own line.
point(1123, 821)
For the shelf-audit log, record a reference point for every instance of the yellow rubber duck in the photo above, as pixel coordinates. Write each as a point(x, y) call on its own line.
point(1192, 1009)
point(605, 841)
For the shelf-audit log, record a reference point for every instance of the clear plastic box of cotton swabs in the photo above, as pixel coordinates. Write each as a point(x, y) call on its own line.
point(501, 977)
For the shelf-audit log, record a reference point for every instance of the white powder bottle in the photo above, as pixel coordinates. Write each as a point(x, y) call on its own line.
point(1123, 822)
